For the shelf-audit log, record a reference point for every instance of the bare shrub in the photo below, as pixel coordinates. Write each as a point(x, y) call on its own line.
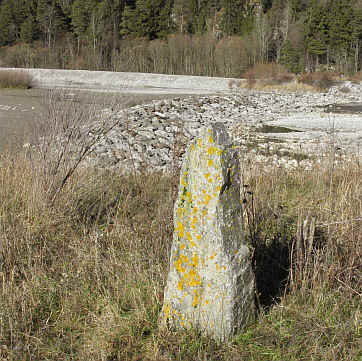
point(357, 77)
point(269, 74)
point(231, 57)
point(15, 79)
point(67, 133)
point(319, 80)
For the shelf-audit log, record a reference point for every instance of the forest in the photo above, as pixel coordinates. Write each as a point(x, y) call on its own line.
point(194, 37)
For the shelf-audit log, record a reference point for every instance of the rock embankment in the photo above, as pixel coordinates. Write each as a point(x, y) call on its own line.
point(154, 134)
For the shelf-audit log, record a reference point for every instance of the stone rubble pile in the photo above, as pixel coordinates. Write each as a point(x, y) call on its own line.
point(155, 134)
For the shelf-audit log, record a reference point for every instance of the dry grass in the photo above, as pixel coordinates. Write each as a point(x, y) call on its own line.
point(285, 87)
point(321, 80)
point(83, 279)
point(267, 74)
point(357, 77)
point(15, 79)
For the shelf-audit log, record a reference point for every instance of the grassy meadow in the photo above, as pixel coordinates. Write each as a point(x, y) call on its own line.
point(84, 256)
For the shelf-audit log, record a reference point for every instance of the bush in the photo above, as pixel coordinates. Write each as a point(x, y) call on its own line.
point(357, 77)
point(15, 79)
point(270, 74)
point(321, 80)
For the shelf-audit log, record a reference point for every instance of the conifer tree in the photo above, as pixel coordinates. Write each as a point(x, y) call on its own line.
point(80, 16)
point(148, 18)
point(290, 57)
point(317, 34)
point(51, 19)
point(232, 18)
point(28, 29)
point(6, 37)
point(129, 23)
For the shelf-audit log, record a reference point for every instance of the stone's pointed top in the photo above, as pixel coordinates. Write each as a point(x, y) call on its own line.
point(219, 133)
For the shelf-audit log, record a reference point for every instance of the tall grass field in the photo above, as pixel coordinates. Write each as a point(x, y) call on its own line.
point(84, 256)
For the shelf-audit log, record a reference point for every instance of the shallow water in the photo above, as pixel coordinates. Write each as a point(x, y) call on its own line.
point(275, 129)
point(347, 108)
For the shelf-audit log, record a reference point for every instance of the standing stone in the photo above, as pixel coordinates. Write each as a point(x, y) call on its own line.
point(210, 285)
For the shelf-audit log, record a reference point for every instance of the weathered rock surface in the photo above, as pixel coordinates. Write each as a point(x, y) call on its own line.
point(210, 284)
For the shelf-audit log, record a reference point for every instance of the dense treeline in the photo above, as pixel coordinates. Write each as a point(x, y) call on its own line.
point(206, 37)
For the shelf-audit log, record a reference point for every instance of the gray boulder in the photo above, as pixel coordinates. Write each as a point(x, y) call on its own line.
point(210, 285)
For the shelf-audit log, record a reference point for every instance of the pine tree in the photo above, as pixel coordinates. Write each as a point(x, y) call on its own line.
point(112, 13)
point(148, 18)
point(6, 36)
point(317, 34)
point(80, 17)
point(129, 24)
point(28, 30)
point(341, 24)
point(290, 57)
point(233, 16)
point(29, 27)
point(51, 19)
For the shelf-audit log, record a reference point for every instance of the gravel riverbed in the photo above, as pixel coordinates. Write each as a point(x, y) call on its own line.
point(282, 129)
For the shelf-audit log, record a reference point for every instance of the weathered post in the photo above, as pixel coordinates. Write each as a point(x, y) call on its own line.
point(210, 285)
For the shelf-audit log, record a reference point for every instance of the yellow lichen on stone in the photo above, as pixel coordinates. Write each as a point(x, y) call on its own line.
point(180, 285)
point(195, 260)
point(167, 311)
point(196, 300)
point(207, 199)
point(211, 150)
point(181, 229)
point(193, 223)
point(178, 265)
point(179, 210)
point(194, 278)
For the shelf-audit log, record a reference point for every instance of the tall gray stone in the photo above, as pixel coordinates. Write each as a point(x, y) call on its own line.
point(210, 285)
